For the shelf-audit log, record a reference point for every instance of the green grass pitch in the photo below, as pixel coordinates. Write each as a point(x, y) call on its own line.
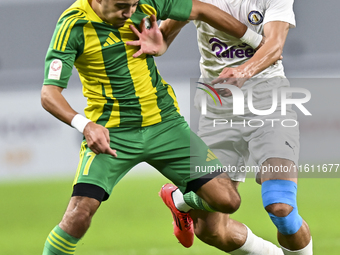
point(134, 220)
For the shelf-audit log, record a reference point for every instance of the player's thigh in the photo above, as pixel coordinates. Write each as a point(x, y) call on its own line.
point(227, 144)
point(275, 147)
point(278, 169)
point(104, 170)
point(181, 156)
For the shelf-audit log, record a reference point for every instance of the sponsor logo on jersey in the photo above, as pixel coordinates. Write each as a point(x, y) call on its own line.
point(222, 50)
point(111, 39)
point(255, 18)
point(55, 69)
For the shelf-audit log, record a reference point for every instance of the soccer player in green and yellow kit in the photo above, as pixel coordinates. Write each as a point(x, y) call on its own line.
point(132, 114)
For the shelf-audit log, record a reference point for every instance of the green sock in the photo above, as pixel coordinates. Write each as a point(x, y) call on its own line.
point(59, 242)
point(196, 202)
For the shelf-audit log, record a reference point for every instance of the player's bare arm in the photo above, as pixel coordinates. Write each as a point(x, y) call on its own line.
point(150, 41)
point(97, 136)
point(170, 29)
point(224, 22)
point(217, 18)
point(54, 102)
point(275, 33)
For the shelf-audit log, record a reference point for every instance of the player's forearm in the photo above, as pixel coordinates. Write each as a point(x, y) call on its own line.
point(54, 102)
point(271, 51)
point(223, 21)
point(267, 55)
point(170, 29)
point(217, 18)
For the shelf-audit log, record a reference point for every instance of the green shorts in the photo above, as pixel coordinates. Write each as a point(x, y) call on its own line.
point(170, 147)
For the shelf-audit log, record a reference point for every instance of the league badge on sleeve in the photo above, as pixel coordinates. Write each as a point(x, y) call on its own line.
point(55, 69)
point(255, 18)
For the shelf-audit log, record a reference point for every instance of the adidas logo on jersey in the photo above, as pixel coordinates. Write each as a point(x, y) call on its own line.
point(211, 156)
point(112, 39)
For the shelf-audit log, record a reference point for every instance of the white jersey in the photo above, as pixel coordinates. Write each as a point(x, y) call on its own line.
point(238, 137)
point(219, 50)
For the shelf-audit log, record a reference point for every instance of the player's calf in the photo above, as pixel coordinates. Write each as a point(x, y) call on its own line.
point(63, 239)
point(78, 215)
point(216, 229)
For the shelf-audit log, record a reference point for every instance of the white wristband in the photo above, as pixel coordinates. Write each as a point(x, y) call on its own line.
point(251, 38)
point(79, 122)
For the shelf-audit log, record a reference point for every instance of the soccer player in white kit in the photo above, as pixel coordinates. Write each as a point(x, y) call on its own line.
point(225, 59)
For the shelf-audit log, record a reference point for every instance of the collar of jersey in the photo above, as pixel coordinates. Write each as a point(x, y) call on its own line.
point(91, 15)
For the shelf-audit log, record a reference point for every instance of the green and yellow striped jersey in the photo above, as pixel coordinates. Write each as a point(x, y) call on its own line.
point(120, 90)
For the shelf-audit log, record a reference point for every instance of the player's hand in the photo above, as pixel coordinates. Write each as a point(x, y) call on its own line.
point(232, 76)
point(98, 139)
point(150, 39)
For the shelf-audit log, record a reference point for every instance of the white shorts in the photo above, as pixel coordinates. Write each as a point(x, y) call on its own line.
point(242, 143)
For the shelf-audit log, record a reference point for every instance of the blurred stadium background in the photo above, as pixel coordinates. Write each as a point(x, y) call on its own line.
point(39, 154)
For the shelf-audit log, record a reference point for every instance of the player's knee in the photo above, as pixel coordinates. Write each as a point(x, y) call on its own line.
point(279, 200)
point(287, 225)
point(279, 210)
point(227, 203)
point(221, 195)
point(233, 204)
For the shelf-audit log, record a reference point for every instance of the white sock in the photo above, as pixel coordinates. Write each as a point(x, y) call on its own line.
point(255, 245)
point(308, 250)
point(179, 202)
